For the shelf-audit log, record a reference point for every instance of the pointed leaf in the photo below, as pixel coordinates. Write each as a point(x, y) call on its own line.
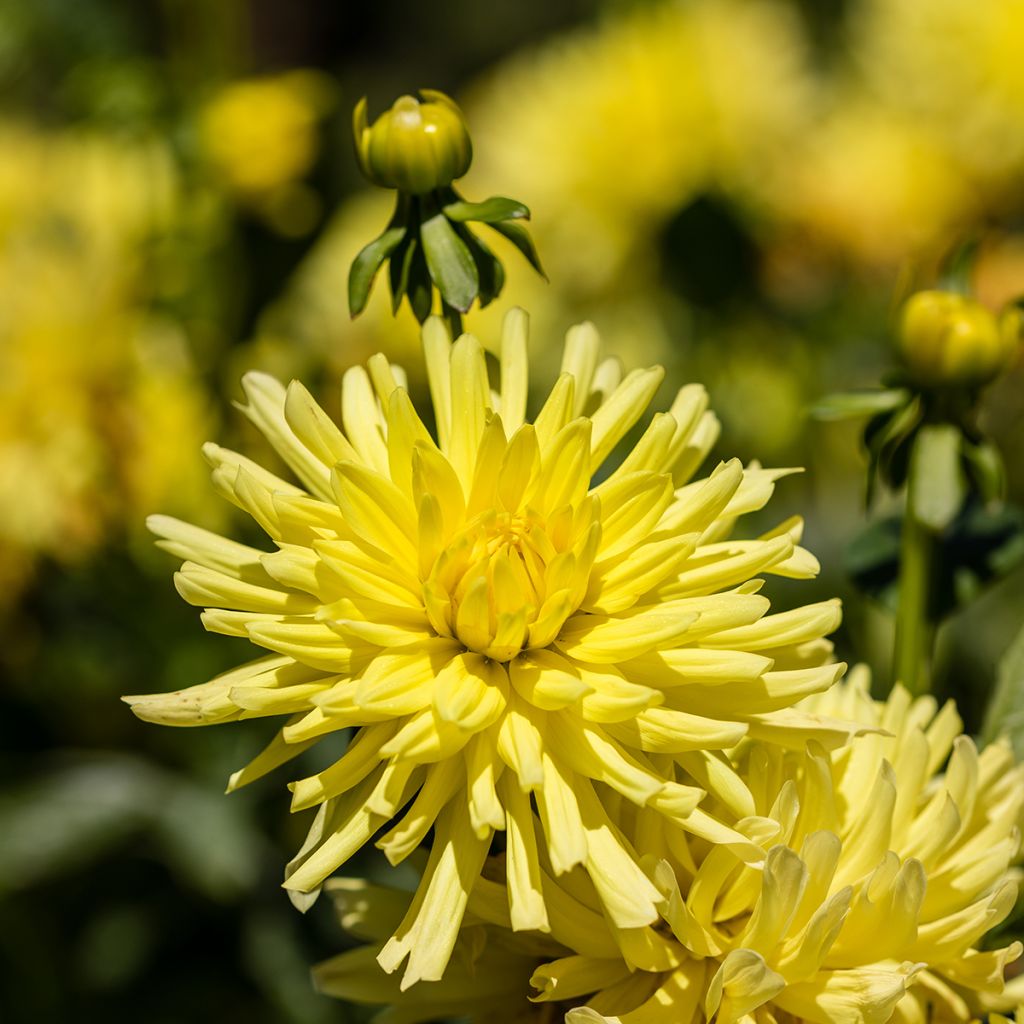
point(450, 262)
point(520, 238)
point(490, 210)
point(986, 469)
point(489, 268)
point(367, 263)
point(887, 438)
point(401, 261)
point(419, 289)
point(853, 404)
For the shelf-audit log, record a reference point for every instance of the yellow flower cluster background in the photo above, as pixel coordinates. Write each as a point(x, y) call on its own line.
point(740, 191)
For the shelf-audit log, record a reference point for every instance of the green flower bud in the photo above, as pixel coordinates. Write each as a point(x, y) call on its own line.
point(416, 146)
point(948, 340)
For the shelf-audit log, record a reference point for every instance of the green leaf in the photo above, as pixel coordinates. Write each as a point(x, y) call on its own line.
point(367, 263)
point(936, 488)
point(887, 438)
point(450, 262)
point(1005, 713)
point(853, 404)
point(986, 469)
point(492, 273)
point(401, 261)
point(490, 210)
point(419, 289)
point(520, 238)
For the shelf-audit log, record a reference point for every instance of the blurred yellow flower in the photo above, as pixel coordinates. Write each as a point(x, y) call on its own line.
point(953, 68)
point(499, 591)
point(75, 211)
point(872, 185)
point(880, 879)
point(261, 133)
point(609, 132)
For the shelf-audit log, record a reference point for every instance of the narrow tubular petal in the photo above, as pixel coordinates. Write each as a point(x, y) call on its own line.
point(428, 932)
point(265, 407)
point(442, 782)
point(564, 834)
point(376, 509)
point(193, 544)
point(470, 398)
point(621, 410)
point(525, 892)
point(515, 370)
point(362, 419)
point(579, 358)
point(606, 639)
point(437, 346)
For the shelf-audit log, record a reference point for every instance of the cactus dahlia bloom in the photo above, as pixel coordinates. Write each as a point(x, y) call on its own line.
point(503, 621)
point(880, 879)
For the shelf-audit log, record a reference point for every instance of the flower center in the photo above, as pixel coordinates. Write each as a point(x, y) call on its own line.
point(506, 582)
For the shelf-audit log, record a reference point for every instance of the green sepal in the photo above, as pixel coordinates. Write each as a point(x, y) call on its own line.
point(937, 487)
point(419, 289)
point(986, 469)
point(489, 268)
point(520, 238)
point(450, 262)
point(887, 438)
point(367, 263)
point(497, 208)
point(854, 404)
point(401, 261)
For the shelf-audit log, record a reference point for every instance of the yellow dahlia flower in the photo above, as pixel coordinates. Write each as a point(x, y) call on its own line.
point(881, 878)
point(499, 615)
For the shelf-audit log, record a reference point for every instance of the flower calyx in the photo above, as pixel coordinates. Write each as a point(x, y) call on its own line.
point(419, 148)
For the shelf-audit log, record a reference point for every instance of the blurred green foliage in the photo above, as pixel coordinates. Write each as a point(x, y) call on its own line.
point(130, 888)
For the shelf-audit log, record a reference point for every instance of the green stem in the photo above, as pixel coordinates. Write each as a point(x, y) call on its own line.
point(915, 625)
point(453, 318)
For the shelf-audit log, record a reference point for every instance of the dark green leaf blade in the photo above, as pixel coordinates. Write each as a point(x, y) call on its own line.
point(401, 261)
point(490, 210)
point(450, 262)
point(489, 268)
point(520, 238)
point(365, 267)
point(419, 288)
point(985, 466)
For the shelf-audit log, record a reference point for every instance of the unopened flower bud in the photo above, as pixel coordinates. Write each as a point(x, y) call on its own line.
point(948, 340)
point(416, 146)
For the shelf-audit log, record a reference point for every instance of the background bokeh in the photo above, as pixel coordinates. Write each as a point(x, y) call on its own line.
point(740, 189)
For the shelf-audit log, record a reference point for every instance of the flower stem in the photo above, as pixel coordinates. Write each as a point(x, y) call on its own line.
point(915, 623)
point(453, 318)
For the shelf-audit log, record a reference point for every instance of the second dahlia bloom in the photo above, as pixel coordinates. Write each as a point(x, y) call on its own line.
point(882, 877)
point(504, 622)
